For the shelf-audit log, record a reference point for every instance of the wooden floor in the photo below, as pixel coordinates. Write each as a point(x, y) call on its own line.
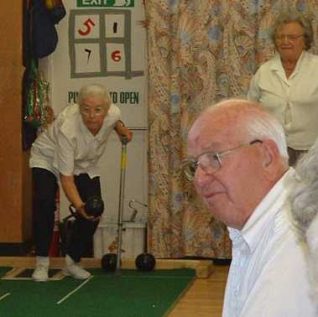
point(205, 297)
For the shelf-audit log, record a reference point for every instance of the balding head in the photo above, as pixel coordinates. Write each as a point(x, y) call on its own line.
point(243, 121)
point(252, 157)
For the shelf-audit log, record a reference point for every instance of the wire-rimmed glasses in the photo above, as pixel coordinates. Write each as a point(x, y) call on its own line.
point(288, 37)
point(87, 111)
point(209, 161)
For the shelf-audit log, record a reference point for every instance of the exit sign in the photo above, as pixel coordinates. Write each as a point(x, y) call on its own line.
point(105, 3)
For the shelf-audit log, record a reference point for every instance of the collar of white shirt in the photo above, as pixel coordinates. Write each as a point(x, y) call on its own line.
point(278, 66)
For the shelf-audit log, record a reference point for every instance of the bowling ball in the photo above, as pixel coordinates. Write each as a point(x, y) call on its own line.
point(145, 262)
point(94, 206)
point(109, 262)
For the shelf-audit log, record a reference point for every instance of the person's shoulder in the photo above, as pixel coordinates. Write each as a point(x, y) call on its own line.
point(311, 57)
point(270, 62)
point(113, 110)
point(67, 112)
point(267, 65)
point(68, 119)
point(70, 110)
point(113, 107)
point(309, 63)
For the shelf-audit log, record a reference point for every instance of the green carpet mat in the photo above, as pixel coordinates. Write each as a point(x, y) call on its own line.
point(126, 294)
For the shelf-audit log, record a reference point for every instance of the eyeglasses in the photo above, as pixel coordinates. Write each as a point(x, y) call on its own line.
point(88, 112)
point(209, 161)
point(288, 37)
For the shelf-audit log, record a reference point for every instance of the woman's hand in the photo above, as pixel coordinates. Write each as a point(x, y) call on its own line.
point(123, 132)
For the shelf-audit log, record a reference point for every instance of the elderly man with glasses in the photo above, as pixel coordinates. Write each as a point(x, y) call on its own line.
point(238, 162)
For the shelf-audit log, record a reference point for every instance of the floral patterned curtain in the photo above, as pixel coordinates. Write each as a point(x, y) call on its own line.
point(199, 52)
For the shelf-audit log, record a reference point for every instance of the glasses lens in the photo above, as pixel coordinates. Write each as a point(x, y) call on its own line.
point(288, 37)
point(189, 168)
point(210, 161)
point(92, 112)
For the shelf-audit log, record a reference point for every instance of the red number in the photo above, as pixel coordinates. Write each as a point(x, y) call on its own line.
point(89, 23)
point(116, 56)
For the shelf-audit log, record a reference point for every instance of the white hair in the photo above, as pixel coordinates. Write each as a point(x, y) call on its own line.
point(95, 90)
point(304, 208)
point(267, 127)
point(256, 122)
point(304, 197)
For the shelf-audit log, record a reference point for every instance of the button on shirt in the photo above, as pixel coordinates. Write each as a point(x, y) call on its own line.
point(293, 101)
point(268, 275)
point(68, 147)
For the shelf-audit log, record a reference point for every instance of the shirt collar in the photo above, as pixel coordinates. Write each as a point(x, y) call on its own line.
point(272, 203)
point(278, 66)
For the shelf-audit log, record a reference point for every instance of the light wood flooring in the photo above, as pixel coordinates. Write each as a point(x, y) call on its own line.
point(204, 298)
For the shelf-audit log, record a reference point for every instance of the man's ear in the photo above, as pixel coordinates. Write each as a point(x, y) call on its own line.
point(267, 153)
point(271, 157)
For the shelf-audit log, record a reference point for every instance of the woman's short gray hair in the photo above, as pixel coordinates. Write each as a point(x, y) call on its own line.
point(94, 90)
point(294, 16)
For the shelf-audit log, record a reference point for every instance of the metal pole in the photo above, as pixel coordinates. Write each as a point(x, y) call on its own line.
point(123, 163)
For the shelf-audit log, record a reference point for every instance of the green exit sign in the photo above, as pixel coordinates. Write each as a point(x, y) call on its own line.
point(105, 3)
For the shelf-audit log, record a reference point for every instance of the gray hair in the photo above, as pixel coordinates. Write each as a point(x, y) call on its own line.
point(294, 16)
point(304, 209)
point(304, 197)
point(259, 124)
point(95, 90)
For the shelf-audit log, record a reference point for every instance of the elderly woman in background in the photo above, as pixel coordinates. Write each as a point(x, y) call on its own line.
point(304, 200)
point(287, 84)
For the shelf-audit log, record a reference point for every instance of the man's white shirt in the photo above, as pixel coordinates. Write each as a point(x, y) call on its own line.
point(268, 274)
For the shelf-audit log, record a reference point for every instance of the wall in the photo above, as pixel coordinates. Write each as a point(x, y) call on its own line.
point(15, 189)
